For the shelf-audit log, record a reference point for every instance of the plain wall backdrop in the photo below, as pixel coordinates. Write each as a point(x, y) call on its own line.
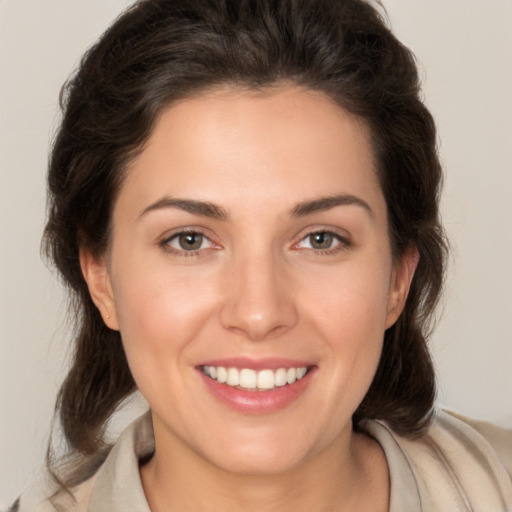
point(464, 48)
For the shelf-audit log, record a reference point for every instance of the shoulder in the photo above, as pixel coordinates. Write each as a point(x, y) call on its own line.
point(458, 464)
point(44, 496)
point(115, 485)
point(500, 439)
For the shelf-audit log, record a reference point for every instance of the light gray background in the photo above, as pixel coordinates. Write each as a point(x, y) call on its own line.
point(465, 52)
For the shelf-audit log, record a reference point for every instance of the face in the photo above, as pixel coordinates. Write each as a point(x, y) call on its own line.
point(251, 278)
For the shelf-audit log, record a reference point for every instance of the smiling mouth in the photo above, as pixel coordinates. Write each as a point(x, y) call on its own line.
point(248, 379)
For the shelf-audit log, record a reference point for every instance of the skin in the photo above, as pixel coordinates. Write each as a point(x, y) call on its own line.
point(257, 287)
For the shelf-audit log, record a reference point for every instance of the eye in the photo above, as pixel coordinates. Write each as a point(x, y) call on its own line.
point(188, 241)
point(322, 241)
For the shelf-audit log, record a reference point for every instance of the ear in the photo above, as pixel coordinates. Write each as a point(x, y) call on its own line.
point(401, 279)
point(97, 277)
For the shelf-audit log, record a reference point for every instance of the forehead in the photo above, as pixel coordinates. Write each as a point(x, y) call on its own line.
point(234, 143)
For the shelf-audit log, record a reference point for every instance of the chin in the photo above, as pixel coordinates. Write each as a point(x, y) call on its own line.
point(260, 464)
point(262, 454)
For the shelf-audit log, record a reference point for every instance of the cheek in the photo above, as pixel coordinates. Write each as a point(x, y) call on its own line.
point(353, 298)
point(350, 311)
point(159, 312)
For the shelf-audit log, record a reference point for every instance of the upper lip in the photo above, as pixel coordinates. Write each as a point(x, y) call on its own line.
point(272, 363)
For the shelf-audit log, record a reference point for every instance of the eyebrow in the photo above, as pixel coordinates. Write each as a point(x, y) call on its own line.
point(326, 203)
point(211, 210)
point(203, 208)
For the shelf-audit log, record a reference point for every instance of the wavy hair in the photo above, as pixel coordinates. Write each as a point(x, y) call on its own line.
point(159, 51)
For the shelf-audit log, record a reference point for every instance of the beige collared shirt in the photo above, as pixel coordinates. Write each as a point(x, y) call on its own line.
point(458, 466)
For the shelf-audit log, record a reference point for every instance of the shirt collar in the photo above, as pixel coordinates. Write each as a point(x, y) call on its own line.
point(404, 491)
point(118, 485)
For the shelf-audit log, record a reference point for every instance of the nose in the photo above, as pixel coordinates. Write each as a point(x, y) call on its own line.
point(258, 299)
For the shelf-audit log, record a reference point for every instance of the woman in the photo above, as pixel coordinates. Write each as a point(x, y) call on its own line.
point(244, 203)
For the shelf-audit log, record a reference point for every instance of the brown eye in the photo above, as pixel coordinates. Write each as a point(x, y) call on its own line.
point(321, 240)
point(190, 241)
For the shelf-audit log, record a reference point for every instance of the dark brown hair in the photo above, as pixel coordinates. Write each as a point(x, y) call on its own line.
point(162, 50)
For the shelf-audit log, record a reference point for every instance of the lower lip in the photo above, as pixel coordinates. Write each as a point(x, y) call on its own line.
point(258, 402)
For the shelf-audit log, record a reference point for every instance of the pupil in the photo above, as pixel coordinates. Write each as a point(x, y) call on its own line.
point(321, 240)
point(191, 241)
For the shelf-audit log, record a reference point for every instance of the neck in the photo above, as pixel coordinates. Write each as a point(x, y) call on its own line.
point(351, 474)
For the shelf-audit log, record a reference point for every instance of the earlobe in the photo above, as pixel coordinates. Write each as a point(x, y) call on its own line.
point(400, 284)
point(96, 275)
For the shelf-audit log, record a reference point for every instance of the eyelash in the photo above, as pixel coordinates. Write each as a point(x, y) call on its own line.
point(342, 242)
point(165, 243)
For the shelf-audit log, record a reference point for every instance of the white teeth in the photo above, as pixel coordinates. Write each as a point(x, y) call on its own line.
point(266, 379)
point(233, 377)
point(280, 377)
point(222, 374)
point(247, 378)
point(291, 375)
